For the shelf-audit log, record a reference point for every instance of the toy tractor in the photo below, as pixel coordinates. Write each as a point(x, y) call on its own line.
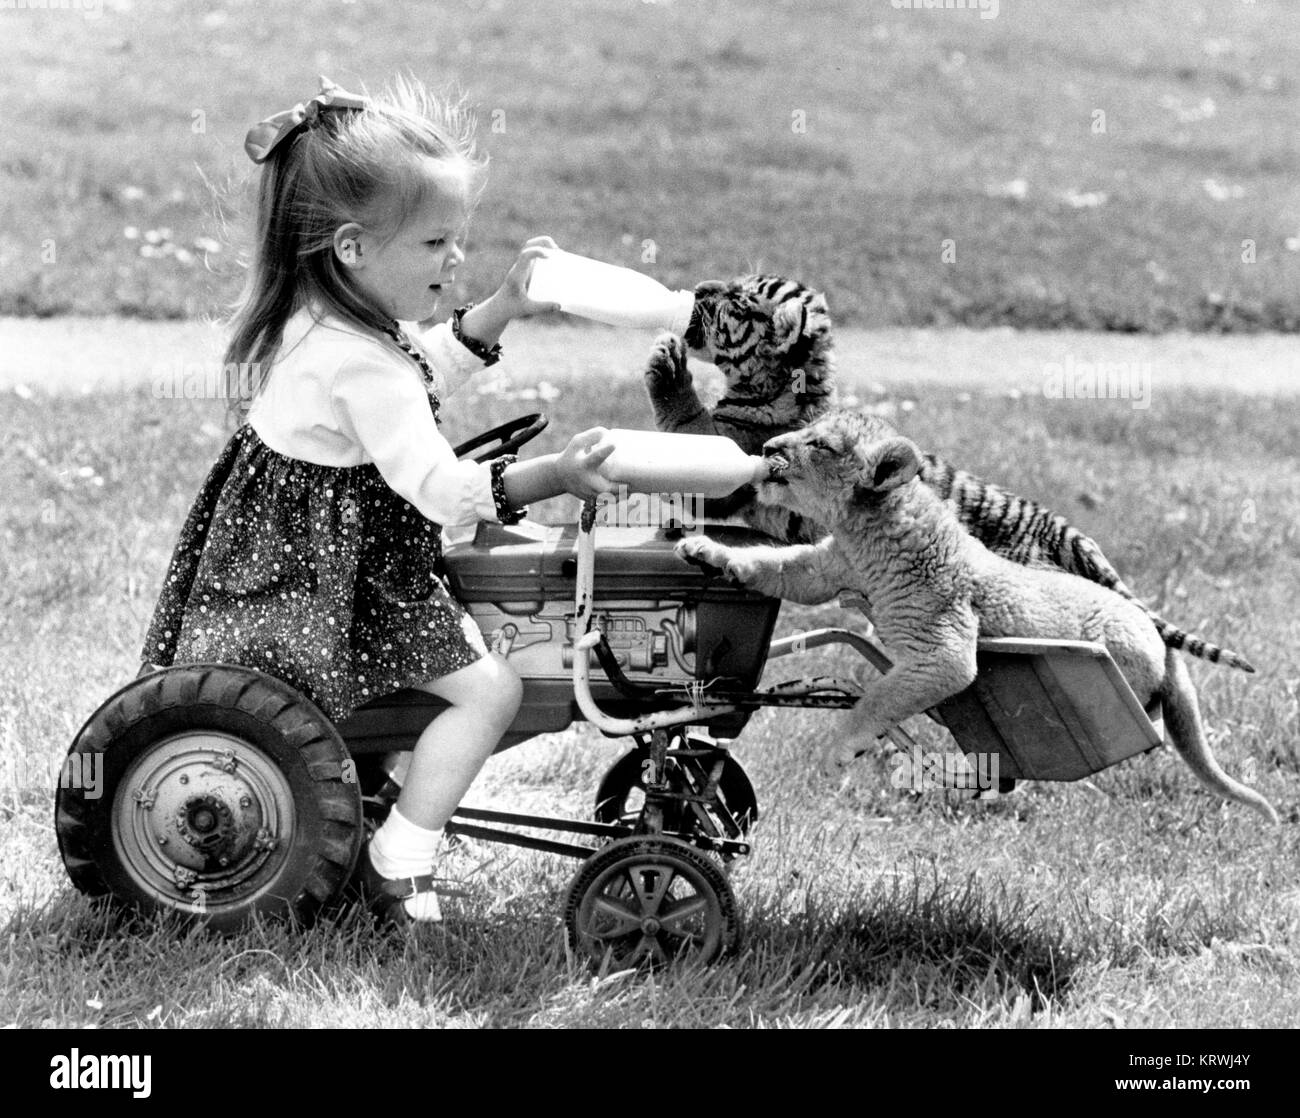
point(226, 793)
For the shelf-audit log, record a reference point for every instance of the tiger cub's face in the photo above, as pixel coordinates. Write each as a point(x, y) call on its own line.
point(844, 461)
point(759, 330)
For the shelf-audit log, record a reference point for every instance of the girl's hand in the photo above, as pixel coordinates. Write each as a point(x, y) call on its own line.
point(577, 468)
point(513, 291)
point(486, 321)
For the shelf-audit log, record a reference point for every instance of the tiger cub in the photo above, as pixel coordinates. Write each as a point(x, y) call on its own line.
point(770, 338)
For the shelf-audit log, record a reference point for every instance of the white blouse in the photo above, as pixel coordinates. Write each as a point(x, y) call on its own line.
point(338, 396)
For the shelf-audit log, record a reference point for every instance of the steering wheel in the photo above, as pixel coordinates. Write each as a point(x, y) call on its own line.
point(512, 435)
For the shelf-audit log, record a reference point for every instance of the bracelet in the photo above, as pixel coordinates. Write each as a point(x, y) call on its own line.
point(489, 355)
point(506, 512)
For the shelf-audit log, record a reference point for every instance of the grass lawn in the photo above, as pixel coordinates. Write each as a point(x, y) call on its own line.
point(1132, 899)
point(1094, 165)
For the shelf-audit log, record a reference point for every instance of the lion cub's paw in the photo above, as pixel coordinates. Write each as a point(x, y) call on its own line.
point(701, 551)
point(836, 759)
point(666, 374)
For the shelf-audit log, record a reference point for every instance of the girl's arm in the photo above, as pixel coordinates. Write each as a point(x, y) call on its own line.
point(482, 323)
point(380, 404)
point(574, 470)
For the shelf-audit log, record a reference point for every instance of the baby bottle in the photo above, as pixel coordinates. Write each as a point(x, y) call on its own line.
point(608, 293)
point(662, 462)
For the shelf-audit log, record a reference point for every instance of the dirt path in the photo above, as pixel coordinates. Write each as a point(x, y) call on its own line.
point(82, 354)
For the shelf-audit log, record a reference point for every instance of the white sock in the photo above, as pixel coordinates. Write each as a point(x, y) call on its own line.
point(400, 849)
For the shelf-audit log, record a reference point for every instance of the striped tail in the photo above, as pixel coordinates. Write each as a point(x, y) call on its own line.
point(1026, 533)
point(1193, 645)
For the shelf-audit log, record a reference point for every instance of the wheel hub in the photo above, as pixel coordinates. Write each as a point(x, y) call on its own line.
point(209, 824)
point(201, 812)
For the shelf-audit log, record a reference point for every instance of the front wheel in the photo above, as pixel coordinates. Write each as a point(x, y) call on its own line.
point(221, 793)
point(649, 901)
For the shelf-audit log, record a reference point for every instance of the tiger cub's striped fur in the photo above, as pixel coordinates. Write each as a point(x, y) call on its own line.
point(771, 339)
point(1025, 532)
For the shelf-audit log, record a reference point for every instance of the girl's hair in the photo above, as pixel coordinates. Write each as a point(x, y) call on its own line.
point(348, 165)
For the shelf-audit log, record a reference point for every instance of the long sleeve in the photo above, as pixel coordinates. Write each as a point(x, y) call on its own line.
point(451, 362)
point(383, 407)
point(339, 397)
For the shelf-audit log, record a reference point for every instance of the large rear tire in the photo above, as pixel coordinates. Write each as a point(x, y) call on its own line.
point(210, 790)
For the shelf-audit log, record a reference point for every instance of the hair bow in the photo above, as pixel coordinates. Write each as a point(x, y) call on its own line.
point(265, 136)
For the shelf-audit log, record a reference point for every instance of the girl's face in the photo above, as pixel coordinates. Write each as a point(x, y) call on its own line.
point(404, 276)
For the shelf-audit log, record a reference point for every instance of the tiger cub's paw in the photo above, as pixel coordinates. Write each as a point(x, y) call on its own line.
point(666, 374)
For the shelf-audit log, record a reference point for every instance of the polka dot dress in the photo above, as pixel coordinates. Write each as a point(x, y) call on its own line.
point(320, 575)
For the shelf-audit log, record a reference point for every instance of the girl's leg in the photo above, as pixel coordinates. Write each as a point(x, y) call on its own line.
point(484, 700)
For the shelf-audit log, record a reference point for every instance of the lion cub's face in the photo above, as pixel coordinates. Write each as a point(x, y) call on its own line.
point(843, 461)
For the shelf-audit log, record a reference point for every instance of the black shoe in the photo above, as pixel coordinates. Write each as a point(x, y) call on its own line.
point(383, 896)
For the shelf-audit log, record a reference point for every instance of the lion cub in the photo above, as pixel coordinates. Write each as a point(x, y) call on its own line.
point(932, 590)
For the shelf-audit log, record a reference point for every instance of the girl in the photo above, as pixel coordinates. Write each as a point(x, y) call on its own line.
point(313, 550)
